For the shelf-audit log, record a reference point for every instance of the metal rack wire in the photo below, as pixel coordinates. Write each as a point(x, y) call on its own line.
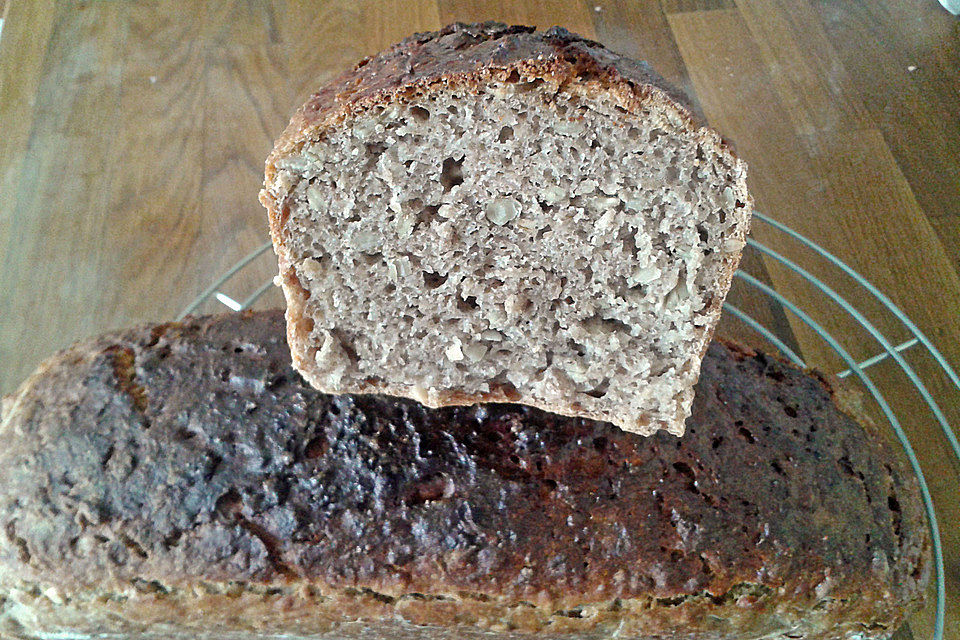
point(887, 350)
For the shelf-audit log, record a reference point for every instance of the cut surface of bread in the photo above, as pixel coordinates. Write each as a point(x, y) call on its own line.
point(491, 213)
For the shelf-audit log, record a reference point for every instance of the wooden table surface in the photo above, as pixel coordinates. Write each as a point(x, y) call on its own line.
point(132, 137)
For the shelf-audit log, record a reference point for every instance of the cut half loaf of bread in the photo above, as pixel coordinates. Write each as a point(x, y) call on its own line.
point(489, 213)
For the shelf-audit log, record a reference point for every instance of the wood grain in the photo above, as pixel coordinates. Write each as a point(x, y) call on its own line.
point(22, 52)
point(811, 83)
point(52, 209)
point(680, 6)
point(575, 16)
point(904, 59)
point(389, 21)
point(158, 197)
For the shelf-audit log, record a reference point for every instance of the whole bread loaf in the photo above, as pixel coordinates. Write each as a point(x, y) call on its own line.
point(488, 212)
point(181, 481)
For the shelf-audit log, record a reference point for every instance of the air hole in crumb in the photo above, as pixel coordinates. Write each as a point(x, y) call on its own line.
point(716, 442)
point(773, 374)
point(722, 215)
point(452, 173)
point(390, 289)
point(684, 469)
point(790, 411)
point(506, 133)
point(747, 435)
point(375, 150)
point(514, 76)
point(468, 303)
point(577, 348)
point(633, 133)
point(276, 381)
point(893, 504)
point(419, 113)
point(703, 233)
point(229, 504)
point(433, 280)
point(615, 326)
point(672, 173)
point(543, 230)
point(600, 390)
point(316, 447)
point(600, 443)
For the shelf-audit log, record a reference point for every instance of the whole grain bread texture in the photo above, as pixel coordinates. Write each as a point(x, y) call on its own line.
point(493, 213)
point(182, 481)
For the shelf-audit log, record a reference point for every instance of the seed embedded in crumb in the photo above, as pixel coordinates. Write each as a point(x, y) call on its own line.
point(552, 194)
point(733, 245)
point(454, 353)
point(405, 224)
point(644, 275)
point(475, 351)
point(314, 196)
point(502, 210)
point(311, 268)
point(364, 241)
point(729, 200)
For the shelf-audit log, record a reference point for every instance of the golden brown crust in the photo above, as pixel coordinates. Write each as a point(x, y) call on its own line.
point(468, 57)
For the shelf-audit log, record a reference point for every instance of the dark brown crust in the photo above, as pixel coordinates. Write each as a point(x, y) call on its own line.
point(204, 484)
point(467, 57)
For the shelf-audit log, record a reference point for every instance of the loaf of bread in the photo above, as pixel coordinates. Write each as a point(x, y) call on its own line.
point(489, 213)
point(181, 481)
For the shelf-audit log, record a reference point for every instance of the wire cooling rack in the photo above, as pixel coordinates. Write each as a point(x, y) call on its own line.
point(885, 347)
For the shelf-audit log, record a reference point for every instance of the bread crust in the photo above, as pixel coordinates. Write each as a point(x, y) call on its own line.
point(467, 57)
point(181, 479)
